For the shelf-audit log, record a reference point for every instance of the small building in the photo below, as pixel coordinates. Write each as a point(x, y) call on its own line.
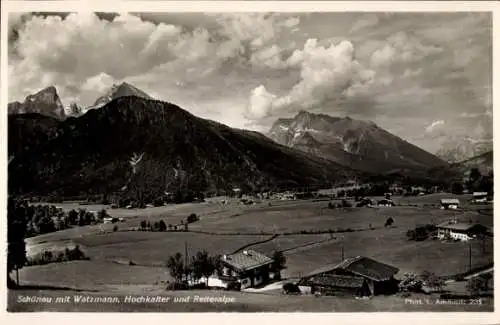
point(480, 197)
point(360, 276)
point(450, 204)
point(386, 203)
point(248, 267)
point(460, 230)
point(365, 202)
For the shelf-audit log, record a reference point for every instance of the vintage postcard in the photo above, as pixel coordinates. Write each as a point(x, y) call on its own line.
point(248, 159)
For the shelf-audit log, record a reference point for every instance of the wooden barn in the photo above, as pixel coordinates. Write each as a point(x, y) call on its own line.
point(359, 276)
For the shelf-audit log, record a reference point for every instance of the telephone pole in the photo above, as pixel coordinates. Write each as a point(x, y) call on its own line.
point(186, 260)
point(342, 252)
point(470, 257)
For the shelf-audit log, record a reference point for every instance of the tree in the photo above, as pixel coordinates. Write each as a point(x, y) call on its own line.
point(82, 216)
point(279, 262)
point(143, 224)
point(162, 226)
point(204, 265)
point(16, 231)
point(102, 214)
point(474, 177)
point(487, 277)
point(72, 217)
point(431, 280)
point(192, 218)
point(475, 285)
point(176, 267)
point(389, 222)
point(457, 188)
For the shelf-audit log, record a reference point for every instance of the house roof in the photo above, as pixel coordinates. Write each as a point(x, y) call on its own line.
point(450, 201)
point(361, 266)
point(458, 226)
point(247, 260)
point(336, 281)
point(480, 194)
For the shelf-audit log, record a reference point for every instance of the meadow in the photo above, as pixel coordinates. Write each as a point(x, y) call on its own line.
point(222, 229)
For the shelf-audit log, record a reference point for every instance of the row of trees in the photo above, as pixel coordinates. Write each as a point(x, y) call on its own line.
point(41, 219)
point(202, 265)
point(25, 220)
point(162, 226)
point(46, 257)
point(421, 232)
point(428, 281)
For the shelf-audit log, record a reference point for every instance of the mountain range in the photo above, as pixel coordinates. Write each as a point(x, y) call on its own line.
point(127, 142)
point(45, 102)
point(116, 91)
point(135, 145)
point(360, 144)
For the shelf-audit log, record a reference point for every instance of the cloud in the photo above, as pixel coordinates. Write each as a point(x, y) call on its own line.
point(364, 22)
point(328, 75)
point(77, 47)
point(402, 48)
point(260, 103)
point(434, 125)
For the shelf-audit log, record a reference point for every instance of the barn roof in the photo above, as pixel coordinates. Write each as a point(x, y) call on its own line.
point(450, 201)
point(459, 225)
point(361, 266)
point(246, 260)
point(342, 281)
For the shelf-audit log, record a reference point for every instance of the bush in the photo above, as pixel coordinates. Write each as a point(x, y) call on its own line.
point(115, 228)
point(192, 218)
point(233, 286)
point(162, 226)
point(291, 288)
point(177, 286)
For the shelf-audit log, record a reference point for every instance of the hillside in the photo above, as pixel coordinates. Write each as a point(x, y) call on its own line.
point(482, 162)
point(360, 144)
point(144, 147)
point(28, 131)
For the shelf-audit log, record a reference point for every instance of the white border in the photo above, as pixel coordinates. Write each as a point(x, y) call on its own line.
point(241, 6)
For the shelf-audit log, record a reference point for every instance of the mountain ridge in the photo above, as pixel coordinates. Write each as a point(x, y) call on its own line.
point(176, 149)
point(357, 143)
point(46, 101)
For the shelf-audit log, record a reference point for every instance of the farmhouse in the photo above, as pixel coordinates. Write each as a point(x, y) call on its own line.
point(385, 203)
point(450, 203)
point(480, 197)
point(460, 230)
point(360, 276)
point(248, 267)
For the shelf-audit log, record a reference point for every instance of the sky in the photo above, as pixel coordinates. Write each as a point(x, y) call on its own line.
point(425, 77)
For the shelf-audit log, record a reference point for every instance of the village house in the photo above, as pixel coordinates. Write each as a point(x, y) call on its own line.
point(248, 267)
point(480, 197)
point(450, 204)
point(460, 230)
point(359, 276)
point(385, 203)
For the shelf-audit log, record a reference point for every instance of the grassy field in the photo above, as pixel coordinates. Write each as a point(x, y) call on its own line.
point(110, 253)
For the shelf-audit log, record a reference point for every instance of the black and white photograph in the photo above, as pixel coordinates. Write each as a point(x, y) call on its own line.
point(253, 162)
